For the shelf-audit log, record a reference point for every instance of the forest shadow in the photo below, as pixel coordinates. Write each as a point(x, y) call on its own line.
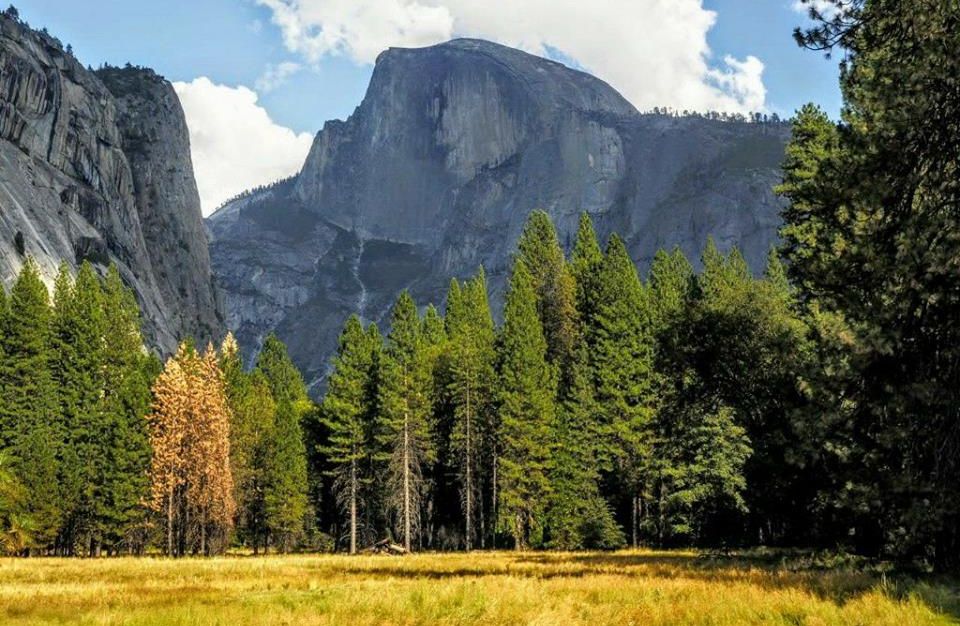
point(775, 571)
point(770, 572)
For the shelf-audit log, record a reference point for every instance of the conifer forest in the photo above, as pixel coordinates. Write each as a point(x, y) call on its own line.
point(591, 407)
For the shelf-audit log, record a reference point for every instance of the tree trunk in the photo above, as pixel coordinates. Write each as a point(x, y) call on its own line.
point(353, 505)
point(469, 477)
point(519, 533)
point(633, 519)
point(663, 517)
point(170, 523)
point(203, 533)
point(406, 480)
point(494, 504)
point(483, 521)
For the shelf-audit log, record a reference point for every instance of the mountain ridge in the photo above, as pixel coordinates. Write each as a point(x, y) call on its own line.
point(95, 166)
point(436, 170)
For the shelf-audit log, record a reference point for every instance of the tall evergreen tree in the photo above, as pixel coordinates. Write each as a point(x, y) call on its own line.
point(78, 356)
point(128, 374)
point(253, 414)
point(471, 388)
point(29, 423)
point(585, 263)
point(578, 515)
point(527, 392)
point(870, 234)
point(670, 279)
point(347, 413)
point(554, 287)
point(621, 349)
point(405, 410)
point(286, 502)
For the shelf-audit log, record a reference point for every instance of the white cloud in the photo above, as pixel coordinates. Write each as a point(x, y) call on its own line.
point(233, 142)
point(655, 52)
point(827, 8)
point(357, 28)
point(276, 75)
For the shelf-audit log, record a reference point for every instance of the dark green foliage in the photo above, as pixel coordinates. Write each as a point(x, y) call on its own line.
point(251, 429)
point(76, 389)
point(284, 473)
point(405, 389)
point(578, 516)
point(539, 250)
point(621, 347)
point(78, 342)
point(527, 393)
point(348, 416)
point(128, 374)
point(29, 427)
point(585, 264)
point(700, 456)
point(870, 237)
point(16, 525)
point(470, 385)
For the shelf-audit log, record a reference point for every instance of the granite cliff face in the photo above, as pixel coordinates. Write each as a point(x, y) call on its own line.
point(438, 168)
point(96, 166)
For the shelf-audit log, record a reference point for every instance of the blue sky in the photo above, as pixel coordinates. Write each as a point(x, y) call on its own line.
point(238, 43)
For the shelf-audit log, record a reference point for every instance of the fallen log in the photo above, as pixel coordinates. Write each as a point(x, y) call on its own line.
point(385, 546)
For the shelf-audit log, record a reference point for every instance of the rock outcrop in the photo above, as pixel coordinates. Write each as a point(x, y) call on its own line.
point(436, 171)
point(96, 166)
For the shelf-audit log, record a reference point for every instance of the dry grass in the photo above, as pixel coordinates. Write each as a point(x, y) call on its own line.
point(649, 588)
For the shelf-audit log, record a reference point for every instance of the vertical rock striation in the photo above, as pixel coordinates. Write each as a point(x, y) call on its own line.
point(436, 171)
point(96, 166)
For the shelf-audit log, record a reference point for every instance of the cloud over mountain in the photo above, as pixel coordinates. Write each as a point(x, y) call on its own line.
point(233, 142)
point(655, 52)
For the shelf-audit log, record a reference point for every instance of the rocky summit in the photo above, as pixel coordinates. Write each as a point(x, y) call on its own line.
point(96, 166)
point(437, 170)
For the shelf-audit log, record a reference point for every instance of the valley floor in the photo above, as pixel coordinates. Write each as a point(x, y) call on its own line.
point(631, 587)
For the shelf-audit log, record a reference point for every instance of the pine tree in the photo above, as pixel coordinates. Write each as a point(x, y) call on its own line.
point(621, 346)
point(190, 473)
point(127, 373)
point(286, 485)
point(700, 461)
point(436, 346)
point(526, 397)
point(670, 279)
point(585, 263)
point(78, 341)
point(405, 408)
point(578, 515)
point(471, 389)
point(29, 425)
point(554, 287)
point(346, 412)
point(16, 527)
point(253, 415)
point(215, 506)
point(168, 426)
point(375, 513)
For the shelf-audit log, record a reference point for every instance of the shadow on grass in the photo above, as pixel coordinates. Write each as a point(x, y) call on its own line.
point(773, 572)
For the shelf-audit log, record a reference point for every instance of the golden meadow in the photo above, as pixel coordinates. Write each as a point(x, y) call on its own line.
point(492, 588)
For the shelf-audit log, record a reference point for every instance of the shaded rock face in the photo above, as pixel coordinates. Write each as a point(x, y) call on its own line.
point(96, 166)
point(437, 170)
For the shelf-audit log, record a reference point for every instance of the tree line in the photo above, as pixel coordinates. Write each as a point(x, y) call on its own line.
point(605, 409)
point(815, 405)
point(104, 450)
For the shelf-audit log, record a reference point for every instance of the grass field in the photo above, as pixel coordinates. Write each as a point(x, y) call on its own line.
point(648, 588)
